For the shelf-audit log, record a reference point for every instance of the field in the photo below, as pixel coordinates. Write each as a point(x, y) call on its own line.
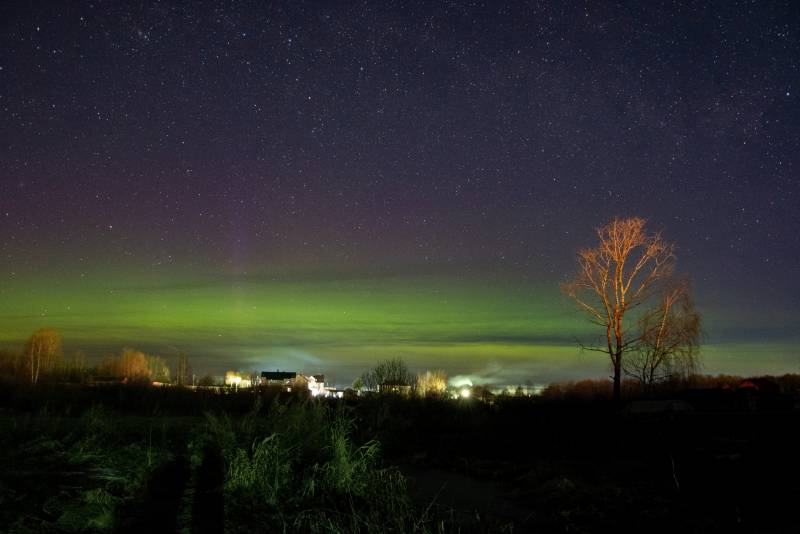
point(126, 459)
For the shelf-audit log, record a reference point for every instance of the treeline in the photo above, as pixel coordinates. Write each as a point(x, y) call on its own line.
point(42, 359)
point(601, 389)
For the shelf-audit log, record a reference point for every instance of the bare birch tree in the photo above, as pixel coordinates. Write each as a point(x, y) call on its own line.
point(182, 373)
point(668, 339)
point(618, 274)
point(42, 353)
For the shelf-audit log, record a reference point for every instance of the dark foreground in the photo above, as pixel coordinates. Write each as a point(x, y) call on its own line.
point(168, 460)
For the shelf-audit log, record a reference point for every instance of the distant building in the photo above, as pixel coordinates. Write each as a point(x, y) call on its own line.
point(290, 380)
point(316, 385)
point(278, 378)
point(398, 388)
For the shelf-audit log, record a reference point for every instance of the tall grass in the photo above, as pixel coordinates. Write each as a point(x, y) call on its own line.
point(72, 474)
point(293, 466)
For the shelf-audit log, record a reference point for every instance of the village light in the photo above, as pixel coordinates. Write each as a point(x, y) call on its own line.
point(465, 393)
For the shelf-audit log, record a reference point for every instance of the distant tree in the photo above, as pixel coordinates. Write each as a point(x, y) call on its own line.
point(358, 385)
point(616, 275)
point(183, 374)
point(392, 371)
point(131, 365)
point(668, 343)
point(76, 366)
point(11, 364)
point(482, 392)
point(42, 353)
point(432, 384)
point(157, 368)
point(110, 366)
point(583, 390)
point(207, 380)
point(134, 365)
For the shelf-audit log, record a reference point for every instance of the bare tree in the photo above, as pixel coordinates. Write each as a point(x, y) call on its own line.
point(157, 368)
point(75, 367)
point(619, 273)
point(392, 372)
point(182, 373)
point(42, 353)
point(668, 340)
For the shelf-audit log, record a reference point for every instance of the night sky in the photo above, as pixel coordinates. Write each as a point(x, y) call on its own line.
point(314, 186)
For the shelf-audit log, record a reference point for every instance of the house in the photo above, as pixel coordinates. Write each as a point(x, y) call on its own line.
point(759, 384)
point(290, 380)
point(762, 394)
point(397, 388)
point(316, 385)
point(278, 378)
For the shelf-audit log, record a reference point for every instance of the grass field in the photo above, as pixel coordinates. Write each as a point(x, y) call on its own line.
point(167, 460)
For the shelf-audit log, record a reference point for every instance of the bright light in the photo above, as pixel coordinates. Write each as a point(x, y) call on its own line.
point(465, 393)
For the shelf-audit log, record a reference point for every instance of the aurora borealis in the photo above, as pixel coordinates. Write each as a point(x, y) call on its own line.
point(317, 186)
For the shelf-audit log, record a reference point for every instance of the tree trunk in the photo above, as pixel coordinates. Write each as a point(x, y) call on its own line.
point(617, 381)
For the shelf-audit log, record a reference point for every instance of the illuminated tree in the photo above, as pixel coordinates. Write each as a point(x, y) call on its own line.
point(134, 365)
point(131, 365)
point(182, 371)
point(669, 338)
point(618, 274)
point(76, 366)
point(42, 353)
point(431, 384)
point(157, 368)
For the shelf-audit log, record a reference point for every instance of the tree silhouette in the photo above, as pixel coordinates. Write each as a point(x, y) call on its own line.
point(618, 274)
point(387, 372)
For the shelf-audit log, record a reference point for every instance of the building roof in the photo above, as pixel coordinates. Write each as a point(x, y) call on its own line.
point(278, 375)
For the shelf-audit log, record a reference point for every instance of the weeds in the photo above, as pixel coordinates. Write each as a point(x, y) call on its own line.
point(72, 474)
point(296, 468)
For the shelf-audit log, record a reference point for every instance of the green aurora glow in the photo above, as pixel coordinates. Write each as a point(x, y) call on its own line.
point(504, 331)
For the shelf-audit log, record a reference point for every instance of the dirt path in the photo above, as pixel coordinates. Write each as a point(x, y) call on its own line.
point(208, 511)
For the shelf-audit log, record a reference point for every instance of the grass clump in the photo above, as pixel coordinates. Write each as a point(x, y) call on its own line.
point(294, 466)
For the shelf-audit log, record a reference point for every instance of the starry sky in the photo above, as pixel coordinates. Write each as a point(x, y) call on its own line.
point(317, 185)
